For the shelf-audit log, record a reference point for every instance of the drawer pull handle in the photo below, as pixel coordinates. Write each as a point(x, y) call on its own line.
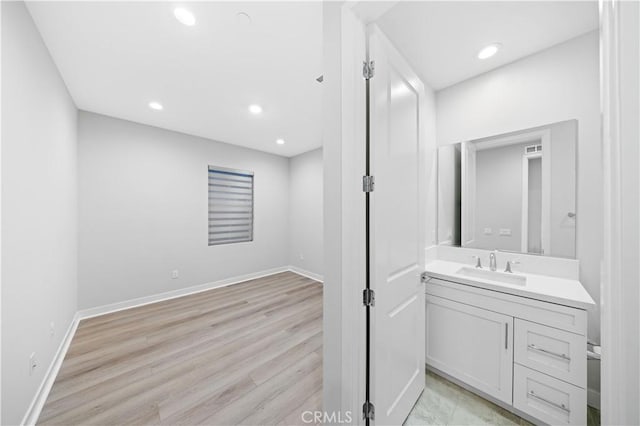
point(535, 348)
point(506, 335)
point(551, 403)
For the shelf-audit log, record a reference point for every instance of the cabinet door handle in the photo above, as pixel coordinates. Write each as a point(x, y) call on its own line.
point(506, 335)
point(551, 403)
point(544, 351)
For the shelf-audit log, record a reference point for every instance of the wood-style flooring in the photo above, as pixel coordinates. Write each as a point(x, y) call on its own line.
point(250, 354)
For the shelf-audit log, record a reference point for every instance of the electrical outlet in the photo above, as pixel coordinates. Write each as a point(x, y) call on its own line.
point(301, 256)
point(52, 329)
point(488, 231)
point(33, 363)
point(505, 232)
point(175, 274)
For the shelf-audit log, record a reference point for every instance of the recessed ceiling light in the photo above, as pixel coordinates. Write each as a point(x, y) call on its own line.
point(184, 16)
point(255, 109)
point(489, 51)
point(280, 141)
point(243, 18)
point(156, 105)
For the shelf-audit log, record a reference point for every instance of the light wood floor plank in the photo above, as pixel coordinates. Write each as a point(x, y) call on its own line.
point(250, 353)
point(192, 327)
point(307, 409)
point(189, 302)
point(150, 317)
point(253, 401)
point(275, 408)
point(176, 351)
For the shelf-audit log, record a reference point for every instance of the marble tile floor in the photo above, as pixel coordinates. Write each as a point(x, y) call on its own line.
point(445, 403)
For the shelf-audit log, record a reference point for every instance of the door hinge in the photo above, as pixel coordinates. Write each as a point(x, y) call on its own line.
point(368, 411)
point(368, 183)
point(368, 69)
point(368, 297)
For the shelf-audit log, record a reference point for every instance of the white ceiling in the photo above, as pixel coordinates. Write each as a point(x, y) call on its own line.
point(441, 39)
point(116, 57)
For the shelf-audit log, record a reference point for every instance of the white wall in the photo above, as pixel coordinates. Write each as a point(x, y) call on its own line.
point(305, 212)
point(39, 209)
point(143, 211)
point(560, 83)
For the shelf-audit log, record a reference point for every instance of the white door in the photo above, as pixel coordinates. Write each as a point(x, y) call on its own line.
point(471, 344)
point(397, 215)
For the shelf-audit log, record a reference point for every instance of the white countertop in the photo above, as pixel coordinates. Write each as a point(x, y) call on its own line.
point(540, 287)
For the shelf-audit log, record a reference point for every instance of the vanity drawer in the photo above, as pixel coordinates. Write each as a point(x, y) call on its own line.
point(563, 317)
point(555, 352)
point(547, 399)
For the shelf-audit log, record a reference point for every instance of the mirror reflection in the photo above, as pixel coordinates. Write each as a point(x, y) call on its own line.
point(513, 192)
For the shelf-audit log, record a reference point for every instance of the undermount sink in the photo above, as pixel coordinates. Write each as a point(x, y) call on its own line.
point(497, 276)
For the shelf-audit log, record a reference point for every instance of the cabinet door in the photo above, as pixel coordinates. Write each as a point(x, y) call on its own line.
point(471, 344)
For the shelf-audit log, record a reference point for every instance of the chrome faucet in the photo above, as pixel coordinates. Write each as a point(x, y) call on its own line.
point(492, 261)
point(509, 264)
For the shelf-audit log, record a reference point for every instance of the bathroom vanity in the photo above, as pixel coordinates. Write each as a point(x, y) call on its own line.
point(518, 339)
point(506, 314)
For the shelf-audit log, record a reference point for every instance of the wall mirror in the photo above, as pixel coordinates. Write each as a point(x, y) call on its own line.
point(512, 192)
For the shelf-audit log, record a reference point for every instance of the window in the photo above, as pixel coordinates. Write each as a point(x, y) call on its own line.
point(230, 206)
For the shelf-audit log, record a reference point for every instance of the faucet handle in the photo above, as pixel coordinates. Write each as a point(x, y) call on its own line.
point(509, 264)
point(478, 261)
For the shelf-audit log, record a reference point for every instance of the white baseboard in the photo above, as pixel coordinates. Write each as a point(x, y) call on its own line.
point(305, 273)
point(33, 412)
point(141, 301)
point(593, 398)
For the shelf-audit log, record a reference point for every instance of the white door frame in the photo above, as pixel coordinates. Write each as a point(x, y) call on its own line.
point(343, 157)
point(620, 284)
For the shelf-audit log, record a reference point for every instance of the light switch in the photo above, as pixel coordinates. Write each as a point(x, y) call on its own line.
point(488, 231)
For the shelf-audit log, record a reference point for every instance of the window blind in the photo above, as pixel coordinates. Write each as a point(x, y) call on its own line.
point(230, 206)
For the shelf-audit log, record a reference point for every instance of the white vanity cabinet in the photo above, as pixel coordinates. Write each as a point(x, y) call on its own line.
point(527, 355)
point(471, 344)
